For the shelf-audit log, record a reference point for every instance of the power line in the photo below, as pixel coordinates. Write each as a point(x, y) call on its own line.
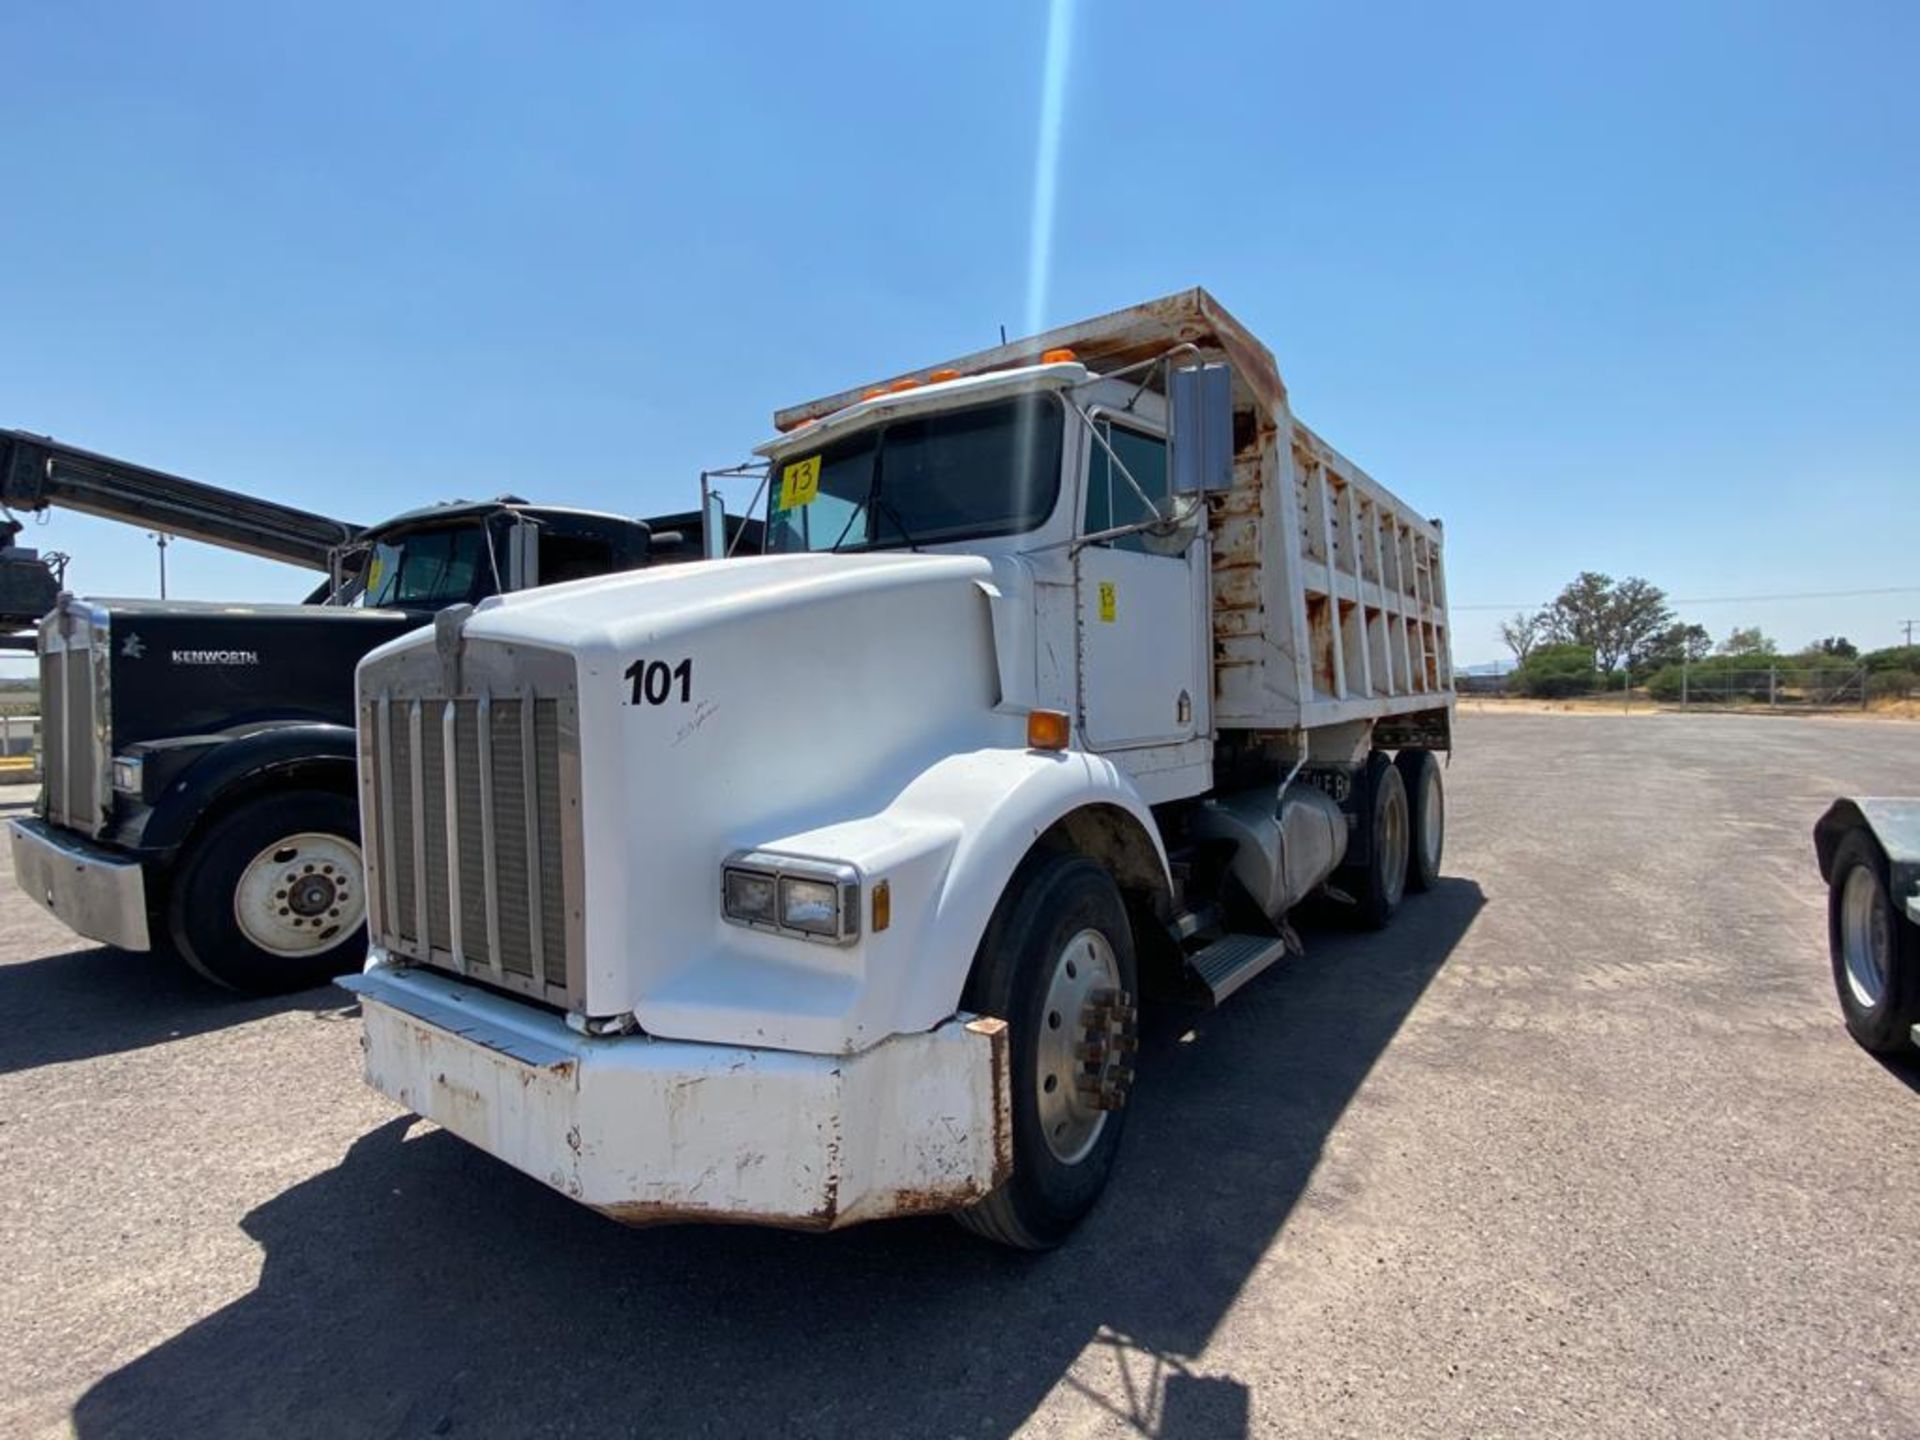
point(1730, 599)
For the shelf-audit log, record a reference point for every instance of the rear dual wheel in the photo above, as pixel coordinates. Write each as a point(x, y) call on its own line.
point(1406, 818)
point(1426, 816)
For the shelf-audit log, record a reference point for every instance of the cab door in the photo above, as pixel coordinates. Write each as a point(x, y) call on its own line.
point(1141, 659)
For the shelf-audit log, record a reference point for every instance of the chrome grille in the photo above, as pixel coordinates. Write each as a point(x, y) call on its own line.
point(473, 815)
point(73, 721)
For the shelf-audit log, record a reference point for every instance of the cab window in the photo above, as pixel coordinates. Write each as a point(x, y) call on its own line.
point(1111, 501)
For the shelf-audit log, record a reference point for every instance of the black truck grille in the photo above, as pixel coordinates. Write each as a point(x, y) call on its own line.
point(472, 830)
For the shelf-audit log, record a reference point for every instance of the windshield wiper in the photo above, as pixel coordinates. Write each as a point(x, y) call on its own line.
point(885, 506)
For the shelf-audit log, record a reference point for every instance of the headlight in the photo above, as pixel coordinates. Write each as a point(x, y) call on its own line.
point(810, 905)
point(749, 897)
point(792, 894)
point(128, 771)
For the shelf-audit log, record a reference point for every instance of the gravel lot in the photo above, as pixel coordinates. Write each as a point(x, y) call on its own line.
point(1579, 1147)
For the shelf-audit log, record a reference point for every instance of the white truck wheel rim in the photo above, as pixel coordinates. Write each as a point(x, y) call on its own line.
point(1864, 941)
point(1070, 1120)
point(301, 894)
point(1393, 835)
point(1433, 819)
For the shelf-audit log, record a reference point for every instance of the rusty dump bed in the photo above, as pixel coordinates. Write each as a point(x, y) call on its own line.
point(1329, 592)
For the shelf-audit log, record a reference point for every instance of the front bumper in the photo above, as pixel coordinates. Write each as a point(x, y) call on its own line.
point(96, 892)
point(649, 1130)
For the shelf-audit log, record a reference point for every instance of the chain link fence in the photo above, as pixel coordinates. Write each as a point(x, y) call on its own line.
point(1786, 686)
point(1797, 688)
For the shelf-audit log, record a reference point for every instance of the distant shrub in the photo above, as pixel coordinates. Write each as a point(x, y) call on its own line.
point(1553, 671)
point(1894, 657)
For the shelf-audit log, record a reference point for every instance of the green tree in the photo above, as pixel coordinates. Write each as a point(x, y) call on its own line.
point(1522, 633)
point(1556, 670)
point(1677, 644)
point(1834, 647)
point(1616, 619)
point(1748, 641)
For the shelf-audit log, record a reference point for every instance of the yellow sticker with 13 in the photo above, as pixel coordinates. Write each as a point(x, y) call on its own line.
point(800, 483)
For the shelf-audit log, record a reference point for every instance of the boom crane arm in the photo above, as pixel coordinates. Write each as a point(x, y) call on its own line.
point(37, 472)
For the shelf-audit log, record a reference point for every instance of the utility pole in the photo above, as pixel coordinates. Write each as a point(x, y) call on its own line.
point(1907, 625)
point(159, 537)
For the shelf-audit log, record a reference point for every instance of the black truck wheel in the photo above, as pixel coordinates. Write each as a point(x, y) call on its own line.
point(272, 898)
point(1380, 881)
point(1875, 949)
point(1057, 964)
point(1426, 817)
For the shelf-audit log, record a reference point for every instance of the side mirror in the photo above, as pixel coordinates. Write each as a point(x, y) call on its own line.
point(1200, 429)
point(523, 555)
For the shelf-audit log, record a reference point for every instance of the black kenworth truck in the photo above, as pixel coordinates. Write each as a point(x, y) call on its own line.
point(199, 761)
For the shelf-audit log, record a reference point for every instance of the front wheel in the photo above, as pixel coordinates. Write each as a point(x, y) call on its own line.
point(1875, 951)
point(1057, 963)
point(271, 899)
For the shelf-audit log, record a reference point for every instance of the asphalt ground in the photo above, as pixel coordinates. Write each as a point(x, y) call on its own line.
point(1578, 1147)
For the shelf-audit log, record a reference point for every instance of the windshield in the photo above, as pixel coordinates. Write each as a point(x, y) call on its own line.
point(962, 475)
point(426, 569)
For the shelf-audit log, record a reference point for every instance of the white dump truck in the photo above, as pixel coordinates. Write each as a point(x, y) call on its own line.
point(823, 884)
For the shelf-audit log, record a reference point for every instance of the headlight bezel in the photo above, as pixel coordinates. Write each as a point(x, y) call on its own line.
point(781, 870)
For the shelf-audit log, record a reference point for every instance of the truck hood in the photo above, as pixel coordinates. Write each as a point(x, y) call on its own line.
point(148, 609)
point(182, 667)
point(623, 608)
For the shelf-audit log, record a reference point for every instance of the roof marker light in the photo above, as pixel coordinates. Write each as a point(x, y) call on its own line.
point(935, 377)
point(1062, 356)
point(902, 385)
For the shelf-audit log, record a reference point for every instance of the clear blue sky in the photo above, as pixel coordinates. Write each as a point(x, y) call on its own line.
point(1636, 289)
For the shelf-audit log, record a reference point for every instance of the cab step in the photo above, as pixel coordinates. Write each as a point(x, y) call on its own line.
point(1231, 961)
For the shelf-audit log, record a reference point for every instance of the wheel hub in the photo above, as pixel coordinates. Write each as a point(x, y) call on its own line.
point(1089, 1034)
point(301, 894)
point(310, 894)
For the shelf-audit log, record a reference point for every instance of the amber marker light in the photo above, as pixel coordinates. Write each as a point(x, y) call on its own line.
point(1058, 357)
point(937, 376)
point(901, 385)
point(882, 905)
point(1047, 730)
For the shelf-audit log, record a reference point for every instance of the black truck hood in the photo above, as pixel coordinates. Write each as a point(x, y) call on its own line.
point(192, 667)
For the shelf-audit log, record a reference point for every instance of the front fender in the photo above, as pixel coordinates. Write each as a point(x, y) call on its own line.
point(1895, 828)
point(237, 764)
point(948, 845)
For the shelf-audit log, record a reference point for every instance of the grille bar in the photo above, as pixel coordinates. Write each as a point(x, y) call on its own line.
point(530, 786)
point(416, 776)
point(490, 859)
point(451, 783)
point(389, 811)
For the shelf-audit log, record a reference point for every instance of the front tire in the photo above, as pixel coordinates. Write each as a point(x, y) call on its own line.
point(1057, 963)
point(1875, 950)
point(271, 899)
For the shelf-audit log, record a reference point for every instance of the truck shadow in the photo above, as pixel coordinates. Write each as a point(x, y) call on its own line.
point(421, 1288)
point(102, 1001)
